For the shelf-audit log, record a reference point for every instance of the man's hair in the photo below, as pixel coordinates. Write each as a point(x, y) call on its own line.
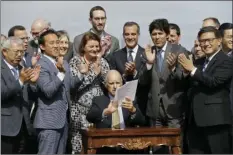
point(61, 33)
point(12, 30)
point(128, 24)
point(9, 41)
point(174, 26)
point(95, 8)
point(160, 24)
point(41, 39)
point(225, 26)
point(215, 20)
point(209, 29)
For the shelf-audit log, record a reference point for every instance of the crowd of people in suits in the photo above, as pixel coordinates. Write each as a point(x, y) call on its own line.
point(53, 89)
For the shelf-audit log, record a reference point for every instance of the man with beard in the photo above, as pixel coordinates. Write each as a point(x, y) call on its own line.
point(97, 19)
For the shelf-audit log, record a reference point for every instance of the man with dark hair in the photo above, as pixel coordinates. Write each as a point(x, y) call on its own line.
point(129, 60)
point(209, 116)
point(211, 21)
point(19, 31)
point(97, 19)
point(226, 30)
point(53, 89)
point(164, 105)
point(174, 36)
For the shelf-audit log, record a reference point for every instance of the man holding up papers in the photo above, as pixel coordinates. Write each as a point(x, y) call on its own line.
point(106, 112)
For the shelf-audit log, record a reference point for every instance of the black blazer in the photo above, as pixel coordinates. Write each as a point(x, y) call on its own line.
point(100, 103)
point(209, 92)
point(119, 58)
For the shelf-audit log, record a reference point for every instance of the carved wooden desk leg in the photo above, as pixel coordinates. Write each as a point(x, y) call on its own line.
point(91, 151)
point(176, 150)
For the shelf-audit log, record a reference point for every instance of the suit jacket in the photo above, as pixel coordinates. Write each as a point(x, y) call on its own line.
point(77, 40)
point(14, 104)
point(53, 95)
point(209, 92)
point(165, 85)
point(119, 58)
point(100, 103)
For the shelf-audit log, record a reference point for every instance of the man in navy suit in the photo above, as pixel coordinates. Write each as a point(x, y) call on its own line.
point(15, 120)
point(53, 87)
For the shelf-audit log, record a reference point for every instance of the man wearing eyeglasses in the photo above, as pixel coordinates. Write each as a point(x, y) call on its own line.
point(209, 118)
point(109, 43)
point(29, 59)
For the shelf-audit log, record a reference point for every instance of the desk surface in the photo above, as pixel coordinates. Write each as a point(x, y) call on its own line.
point(93, 132)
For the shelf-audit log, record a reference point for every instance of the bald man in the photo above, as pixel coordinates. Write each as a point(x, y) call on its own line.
point(103, 106)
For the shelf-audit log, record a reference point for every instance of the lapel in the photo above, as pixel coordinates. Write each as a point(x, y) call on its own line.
point(50, 64)
point(164, 70)
point(212, 62)
point(138, 57)
point(124, 56)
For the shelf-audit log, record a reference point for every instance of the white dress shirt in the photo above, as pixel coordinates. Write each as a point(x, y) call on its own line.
point(134, 53)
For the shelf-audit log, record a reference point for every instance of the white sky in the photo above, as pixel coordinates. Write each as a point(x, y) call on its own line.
point(73, 15)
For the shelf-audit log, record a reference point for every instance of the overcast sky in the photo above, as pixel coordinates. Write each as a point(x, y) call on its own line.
point(73, 15)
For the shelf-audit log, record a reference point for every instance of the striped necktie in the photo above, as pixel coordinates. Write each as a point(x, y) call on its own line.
point(16, 74)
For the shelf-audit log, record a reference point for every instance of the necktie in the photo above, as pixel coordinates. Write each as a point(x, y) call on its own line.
point(16, 75)
point(130, 57)
point(205, 65)
point(159, 59)
point(116, 120)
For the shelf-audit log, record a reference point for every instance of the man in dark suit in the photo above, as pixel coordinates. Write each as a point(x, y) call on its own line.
point(103, 106)
point(97, 19)
point(15, 120)
point(53, 87)
point(129, 59)
point(163, 75)
point(103, 110)
point(210, 117)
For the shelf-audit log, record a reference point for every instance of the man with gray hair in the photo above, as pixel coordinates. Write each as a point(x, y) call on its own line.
point(15, 120)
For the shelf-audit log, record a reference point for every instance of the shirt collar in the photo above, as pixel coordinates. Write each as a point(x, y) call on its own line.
point(164, 47)
point(135, 49)
point(110, 96)
point(101, 35)
point(211, 57)
point(10, 66)
point(50, 58)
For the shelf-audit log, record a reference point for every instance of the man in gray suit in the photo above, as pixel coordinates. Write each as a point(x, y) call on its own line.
point(15, 120)
point(53, 87)
point(163, 75)
point(109, 43)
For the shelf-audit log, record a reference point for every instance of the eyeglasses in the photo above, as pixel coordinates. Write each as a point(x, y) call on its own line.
point(203, 41)
point(16, 52)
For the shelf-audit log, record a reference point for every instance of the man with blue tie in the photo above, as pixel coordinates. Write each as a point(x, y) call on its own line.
point(53, 89)
point(209, 118)
point(163, 74)
point(15, 121)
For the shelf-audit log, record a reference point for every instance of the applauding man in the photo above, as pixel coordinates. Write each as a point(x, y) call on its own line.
point(15, 119)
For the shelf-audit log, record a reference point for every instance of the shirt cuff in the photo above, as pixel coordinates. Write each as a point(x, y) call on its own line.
point(136, 72)
point(193, 71)
point(103, 116)
point(61, 75)
point(21, 83)
point(133, 116)
point(148, 66)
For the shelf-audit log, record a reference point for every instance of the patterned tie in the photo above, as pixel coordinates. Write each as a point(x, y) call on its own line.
point(116, 120)
point(205, 65)
point(160, 59)
point(130, 57)
point(16, 75)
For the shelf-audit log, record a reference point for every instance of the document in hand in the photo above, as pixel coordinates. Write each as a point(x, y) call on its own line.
point(128, 89)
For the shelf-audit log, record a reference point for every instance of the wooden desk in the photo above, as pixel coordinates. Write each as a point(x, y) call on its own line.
point(131, 138)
